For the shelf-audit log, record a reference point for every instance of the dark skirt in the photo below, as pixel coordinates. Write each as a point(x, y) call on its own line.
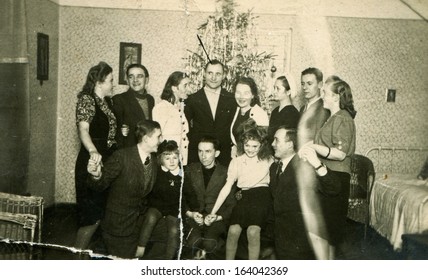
point(90, 203)
point(252, 208)
point(335, 210)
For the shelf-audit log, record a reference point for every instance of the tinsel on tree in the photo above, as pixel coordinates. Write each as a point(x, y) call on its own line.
point(230, 37)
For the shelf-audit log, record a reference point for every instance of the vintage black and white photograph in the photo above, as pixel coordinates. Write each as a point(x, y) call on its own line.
point(214, 130)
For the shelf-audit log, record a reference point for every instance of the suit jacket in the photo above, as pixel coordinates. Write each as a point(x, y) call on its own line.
point(311, 121)
point(208, 196)
point(290, 230)
point(290, 234)
point(202, 123)
point(123, 173)
point(128, 111)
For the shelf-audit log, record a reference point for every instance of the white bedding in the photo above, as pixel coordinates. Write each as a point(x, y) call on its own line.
point(399, 205)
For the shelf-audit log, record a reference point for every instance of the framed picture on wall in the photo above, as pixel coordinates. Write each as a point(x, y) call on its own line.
point(129, 53)
point(42, 57)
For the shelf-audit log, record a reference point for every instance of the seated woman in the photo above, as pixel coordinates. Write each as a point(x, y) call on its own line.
point(250, 171)
point(164, 200)
point(248, 100)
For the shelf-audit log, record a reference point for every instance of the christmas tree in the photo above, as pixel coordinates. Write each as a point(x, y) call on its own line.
point(229, 36)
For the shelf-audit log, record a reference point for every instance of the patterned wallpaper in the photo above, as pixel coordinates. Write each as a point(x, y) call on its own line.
point(42, 16)
point(371, 55)
point(90, 35)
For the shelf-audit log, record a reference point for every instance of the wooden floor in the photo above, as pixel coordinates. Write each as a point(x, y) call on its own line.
point(60, 226)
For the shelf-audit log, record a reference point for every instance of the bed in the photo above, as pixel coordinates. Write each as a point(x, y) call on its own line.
point(398, 200)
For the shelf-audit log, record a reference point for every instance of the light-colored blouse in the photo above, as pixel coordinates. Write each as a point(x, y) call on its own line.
point(249, 172)
point(173, 124)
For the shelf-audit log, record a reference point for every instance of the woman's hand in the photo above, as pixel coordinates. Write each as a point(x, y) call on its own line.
point(209, 219)
point(307, 153)
point(95, 157)
point(196, 216)
point(125, 129)
point(94, 169)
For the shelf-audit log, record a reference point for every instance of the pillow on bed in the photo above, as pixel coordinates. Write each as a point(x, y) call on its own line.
point(424, 171)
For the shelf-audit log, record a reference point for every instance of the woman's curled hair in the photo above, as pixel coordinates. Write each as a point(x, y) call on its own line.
point(250, 131)
point(346, 101)
point(97, 73)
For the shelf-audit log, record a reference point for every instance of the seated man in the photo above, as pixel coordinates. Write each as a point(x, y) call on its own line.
point(207, 178)
point(129, 174)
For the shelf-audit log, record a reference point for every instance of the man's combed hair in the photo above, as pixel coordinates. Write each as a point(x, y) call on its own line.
point(211, 139)
point(215, 62)
point(145, 127)
point(137, 65)
point(290, 135)
point(315, 71)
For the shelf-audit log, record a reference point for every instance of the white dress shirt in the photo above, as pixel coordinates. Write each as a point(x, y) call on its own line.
point(213, 97)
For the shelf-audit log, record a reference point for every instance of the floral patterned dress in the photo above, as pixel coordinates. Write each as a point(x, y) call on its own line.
point(102, 129)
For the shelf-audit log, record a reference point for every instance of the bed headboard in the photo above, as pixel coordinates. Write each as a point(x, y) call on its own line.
point(407, 160)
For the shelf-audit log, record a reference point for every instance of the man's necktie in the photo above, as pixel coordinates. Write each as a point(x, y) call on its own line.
point(279, 170)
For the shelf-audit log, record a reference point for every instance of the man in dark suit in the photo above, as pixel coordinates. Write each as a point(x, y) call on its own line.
point(132, 106)
point(129, 174)
point(207, 178)
point(313, 115)
point(298, 208)
point(290, 234)
point(210, 112)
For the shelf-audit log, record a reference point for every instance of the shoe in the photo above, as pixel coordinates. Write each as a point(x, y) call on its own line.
point(200, 255)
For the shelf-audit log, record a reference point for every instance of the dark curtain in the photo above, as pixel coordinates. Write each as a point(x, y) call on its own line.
point(14, 102)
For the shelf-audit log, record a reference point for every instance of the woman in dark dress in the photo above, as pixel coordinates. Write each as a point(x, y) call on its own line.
point(285, 114)
point(96, 125)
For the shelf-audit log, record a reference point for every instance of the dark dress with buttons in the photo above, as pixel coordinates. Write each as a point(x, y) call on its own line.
point(102, 129)
point(288, 117)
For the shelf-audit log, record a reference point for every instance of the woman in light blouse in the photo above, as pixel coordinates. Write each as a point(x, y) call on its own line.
point(250, 171)
point(169, 113)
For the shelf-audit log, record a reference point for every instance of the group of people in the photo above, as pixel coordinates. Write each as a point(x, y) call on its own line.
point(213, 164)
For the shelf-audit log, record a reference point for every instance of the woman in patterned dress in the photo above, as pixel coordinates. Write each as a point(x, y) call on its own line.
point(96, 126)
